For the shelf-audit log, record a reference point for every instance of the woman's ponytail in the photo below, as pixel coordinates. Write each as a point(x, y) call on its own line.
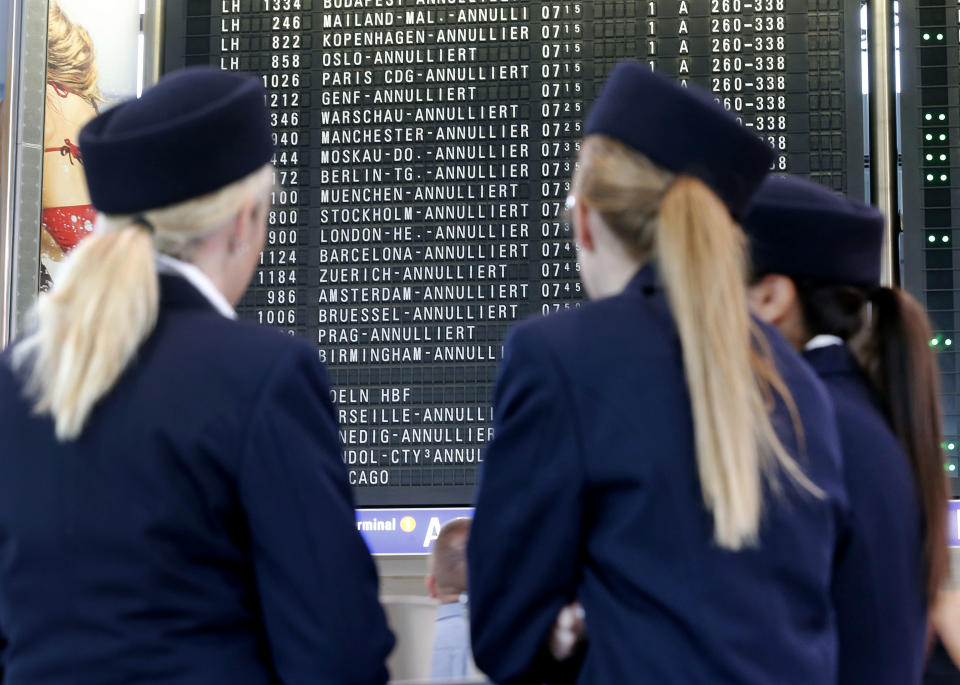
point(702, 261)
point(899, 361)
point(104, 303)
point(701, 256)
point(88, 328)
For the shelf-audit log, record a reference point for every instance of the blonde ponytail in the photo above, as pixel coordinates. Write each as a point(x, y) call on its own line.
point(702, 263)
point(701, 255)
point(102, 307)
point(104, 303)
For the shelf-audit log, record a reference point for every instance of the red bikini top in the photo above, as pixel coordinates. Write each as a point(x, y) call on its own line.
point(68, 149)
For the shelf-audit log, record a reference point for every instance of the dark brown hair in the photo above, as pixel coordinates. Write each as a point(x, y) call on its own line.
point(895, 353)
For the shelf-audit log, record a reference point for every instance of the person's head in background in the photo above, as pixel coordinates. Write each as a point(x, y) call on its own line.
point(659, 164)
point(663, 174)
point(816, 259)
point(168, 177)
point(447, 578)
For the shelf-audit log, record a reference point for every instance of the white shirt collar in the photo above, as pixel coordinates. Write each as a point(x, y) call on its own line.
point(199, 280)
point(818, 341)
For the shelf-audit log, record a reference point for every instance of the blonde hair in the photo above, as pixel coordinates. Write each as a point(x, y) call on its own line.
point(71, 61)
point(104, 304)
point(700, 253)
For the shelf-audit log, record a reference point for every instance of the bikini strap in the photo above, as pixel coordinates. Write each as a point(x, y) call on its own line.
point(62, 91)
point(68, 149)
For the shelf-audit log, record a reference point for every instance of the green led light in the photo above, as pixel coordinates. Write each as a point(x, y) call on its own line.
point(932, 239)
point(951, 446)
point(943, 136)
point(946, 239)
point(942, 117)
point(948, 342)
point(929, 158)
point(929, 177)
point(934, 342)
point(939, 36)
point(944, 177)
point(943, 158)
point(952, 468)
point(926, 36)
point(929, 117)
point(929, 136)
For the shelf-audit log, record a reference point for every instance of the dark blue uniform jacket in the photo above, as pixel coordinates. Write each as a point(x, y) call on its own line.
point(590, 491)
point(199, 532)
point(879, 585)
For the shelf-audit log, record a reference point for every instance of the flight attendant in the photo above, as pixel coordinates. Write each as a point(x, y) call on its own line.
point(816, 257)
point(174, 508)
point(658, 456)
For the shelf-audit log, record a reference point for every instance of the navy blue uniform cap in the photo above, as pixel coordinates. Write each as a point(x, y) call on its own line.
point(801, 229)
point(197, 130)
point(683, 130)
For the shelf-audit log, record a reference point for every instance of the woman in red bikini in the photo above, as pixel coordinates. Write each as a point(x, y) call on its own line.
point(72, 100)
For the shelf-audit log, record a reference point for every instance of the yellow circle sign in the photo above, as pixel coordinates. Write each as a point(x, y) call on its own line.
point(407, 524)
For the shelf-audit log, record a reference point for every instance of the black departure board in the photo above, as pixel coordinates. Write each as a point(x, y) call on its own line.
point(930, 144)
point(424, 154)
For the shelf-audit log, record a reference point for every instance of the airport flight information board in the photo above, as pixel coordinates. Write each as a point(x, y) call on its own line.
point(930, 143)
point(424, 152)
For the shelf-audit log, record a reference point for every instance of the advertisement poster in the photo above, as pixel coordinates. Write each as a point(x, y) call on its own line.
point(92, 55)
